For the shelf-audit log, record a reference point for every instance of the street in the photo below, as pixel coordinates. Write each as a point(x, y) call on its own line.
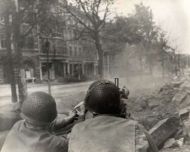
point(66, 95)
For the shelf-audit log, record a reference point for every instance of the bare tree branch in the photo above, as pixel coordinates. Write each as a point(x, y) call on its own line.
point(78, 19)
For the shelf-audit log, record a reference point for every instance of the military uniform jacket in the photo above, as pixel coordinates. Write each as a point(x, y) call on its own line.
point(104, 134)
point(24, 139)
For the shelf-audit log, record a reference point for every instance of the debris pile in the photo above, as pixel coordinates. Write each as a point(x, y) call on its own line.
point(151, 108)
point(165, 113)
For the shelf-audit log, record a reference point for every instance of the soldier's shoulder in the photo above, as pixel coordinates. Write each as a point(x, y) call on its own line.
point(57, 142)
point(80, 126)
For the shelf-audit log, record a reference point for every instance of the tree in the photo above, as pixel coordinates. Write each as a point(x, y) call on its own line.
point(23, 17)
point(25, 12)
point(122, 31)
point(91, 15)
point(139, 29)
point(119, 32)
point(162, 47)
point(5, 12)
point(148, 31)
point(32, 14)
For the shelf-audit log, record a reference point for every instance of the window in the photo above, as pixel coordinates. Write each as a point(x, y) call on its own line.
point(80, 51)
point(75, 51)
point(46, 45)
point(3, 43)
point(70, 50)
point(70, 33)
point(29, 42)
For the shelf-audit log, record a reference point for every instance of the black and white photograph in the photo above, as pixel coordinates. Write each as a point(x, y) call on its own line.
point(94, 76)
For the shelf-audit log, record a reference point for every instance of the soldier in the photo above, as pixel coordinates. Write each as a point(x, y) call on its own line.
point(108, 130)
point(34, 132)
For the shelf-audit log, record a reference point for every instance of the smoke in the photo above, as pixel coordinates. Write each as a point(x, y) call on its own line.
point(135, 72)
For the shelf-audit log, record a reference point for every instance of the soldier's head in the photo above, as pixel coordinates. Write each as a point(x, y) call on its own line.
point(39, 109)
point(103, 97)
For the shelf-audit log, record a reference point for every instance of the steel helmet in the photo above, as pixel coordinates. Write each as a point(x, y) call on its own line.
point(39, 108)
point(103, 97)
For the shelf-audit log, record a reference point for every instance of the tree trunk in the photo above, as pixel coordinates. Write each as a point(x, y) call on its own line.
point(18, 51)
point(10, 58)
point(100, 56)
point(22, 88)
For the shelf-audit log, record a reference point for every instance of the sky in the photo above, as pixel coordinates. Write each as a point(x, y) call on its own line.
point(173, 16)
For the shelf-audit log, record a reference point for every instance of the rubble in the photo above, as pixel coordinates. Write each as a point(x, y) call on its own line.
point(161, 132)
point(184, 113)
point(165, 129)
point(184, 148)
point(170, 143)
point(157, 113)
point(185, 85)
point(179, 97)
point(181, 100)
point(180, 142)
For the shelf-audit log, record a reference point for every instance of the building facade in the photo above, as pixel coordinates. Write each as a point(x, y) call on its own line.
point(58, 56)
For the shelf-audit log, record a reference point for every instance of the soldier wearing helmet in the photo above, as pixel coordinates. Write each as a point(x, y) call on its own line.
point(108, 130)
point(33, 133)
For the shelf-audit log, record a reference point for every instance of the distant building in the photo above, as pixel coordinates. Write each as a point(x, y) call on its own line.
point(129, 62)
point(124, 62)
point(65, 59)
